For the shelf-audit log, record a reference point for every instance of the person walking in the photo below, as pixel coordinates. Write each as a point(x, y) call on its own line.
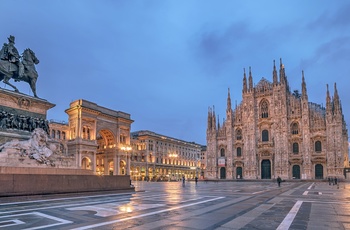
point(183, 181)
point(279, 180)
point(196, 180)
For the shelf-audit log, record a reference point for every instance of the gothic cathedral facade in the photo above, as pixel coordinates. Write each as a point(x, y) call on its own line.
point(275, 132)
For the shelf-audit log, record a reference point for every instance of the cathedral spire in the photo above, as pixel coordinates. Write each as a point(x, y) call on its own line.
point(244, 82)
point(328, 99)
point(329, 105)
point(213, 122)
point(274, 73)
point(282, 73)
point(336, 101)
point(210, 114)
point(303, 87)
point(250, 79)
point(218, 122)
point(228, 101)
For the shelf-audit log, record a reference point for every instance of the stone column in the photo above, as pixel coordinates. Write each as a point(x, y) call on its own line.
point(105, 162)
point(94, 162)
point(115, 163)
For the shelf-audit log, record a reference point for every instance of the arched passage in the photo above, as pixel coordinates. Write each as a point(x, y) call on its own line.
point(85, 163)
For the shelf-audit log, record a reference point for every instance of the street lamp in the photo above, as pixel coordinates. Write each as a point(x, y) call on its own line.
point(127, 149)
point(173, 156)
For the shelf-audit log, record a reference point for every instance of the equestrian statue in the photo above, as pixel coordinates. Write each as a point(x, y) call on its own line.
point(17, 67)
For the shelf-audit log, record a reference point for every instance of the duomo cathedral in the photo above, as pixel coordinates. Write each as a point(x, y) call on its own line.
point(275, 132)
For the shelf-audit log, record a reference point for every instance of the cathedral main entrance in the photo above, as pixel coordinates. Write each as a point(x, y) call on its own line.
point(265, 169)
point(222, 173)
point(239, 173)
point(318, 171)
point(296, 171)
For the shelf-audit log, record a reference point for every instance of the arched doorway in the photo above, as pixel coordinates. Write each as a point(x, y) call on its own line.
point(110, 168)
point(85, 163)
point(222, 173)
point(122, 168)
point(318, 171)
point(296, 172)
point(265, 169)
point(239, 173)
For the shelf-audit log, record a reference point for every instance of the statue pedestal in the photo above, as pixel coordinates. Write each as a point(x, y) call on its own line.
point(17, 110)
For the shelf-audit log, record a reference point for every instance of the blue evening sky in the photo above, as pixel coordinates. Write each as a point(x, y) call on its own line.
point(165, 62)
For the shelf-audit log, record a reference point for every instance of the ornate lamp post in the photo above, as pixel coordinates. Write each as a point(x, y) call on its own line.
point(127, 149)
point(173, 156)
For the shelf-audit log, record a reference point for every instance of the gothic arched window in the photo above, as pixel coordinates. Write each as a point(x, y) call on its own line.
point(265, 135)
point(222, 152)
point(295, 148)
point(264, 108)
point(238, 134)
point(295, 128)
point(318, 146)
point(239, 152)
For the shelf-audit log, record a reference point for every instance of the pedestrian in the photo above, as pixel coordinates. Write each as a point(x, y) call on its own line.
point(329, 181)
point(279, 180)
point(183, 180)
point(196, 180)
point(335, 180)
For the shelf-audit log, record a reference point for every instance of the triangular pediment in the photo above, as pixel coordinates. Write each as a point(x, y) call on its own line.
point(263, 85)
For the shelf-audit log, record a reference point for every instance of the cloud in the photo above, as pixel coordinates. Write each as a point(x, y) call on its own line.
point(328, 20)
point(336, 50)
point(219, 48)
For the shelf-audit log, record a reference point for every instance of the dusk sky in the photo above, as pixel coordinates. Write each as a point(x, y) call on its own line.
point(165, 62)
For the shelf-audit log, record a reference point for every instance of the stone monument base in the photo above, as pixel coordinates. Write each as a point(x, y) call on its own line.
point(39, 184)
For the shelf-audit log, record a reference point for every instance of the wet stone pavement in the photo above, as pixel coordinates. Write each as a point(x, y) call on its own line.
point(172, 206)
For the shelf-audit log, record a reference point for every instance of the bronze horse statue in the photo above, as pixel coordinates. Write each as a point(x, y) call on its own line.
point(29, 60)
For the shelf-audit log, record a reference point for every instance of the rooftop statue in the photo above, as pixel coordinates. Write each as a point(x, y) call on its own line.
point(17, 67)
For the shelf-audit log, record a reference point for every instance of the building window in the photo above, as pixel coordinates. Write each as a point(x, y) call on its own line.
point(295, 148)
point(222, 152)
point(318, 146)
point(239, 134)
point(265, 135)
point(53, 133)
point(63, 135)
point(122, 139)
point(264, 109)
point(239, 152)
point(86, 133)
point(295, 128)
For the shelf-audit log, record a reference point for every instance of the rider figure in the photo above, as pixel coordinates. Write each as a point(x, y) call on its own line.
point(10, 53)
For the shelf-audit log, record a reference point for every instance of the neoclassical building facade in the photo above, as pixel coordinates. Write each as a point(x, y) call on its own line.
point(158, 157)
point(275, 132)
point(101, 141)
point(98, 137)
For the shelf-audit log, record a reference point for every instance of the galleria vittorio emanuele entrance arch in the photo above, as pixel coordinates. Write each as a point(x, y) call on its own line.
point(99, 138)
